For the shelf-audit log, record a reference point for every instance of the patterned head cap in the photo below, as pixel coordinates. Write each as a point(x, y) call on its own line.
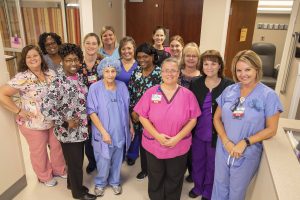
point(108, 62)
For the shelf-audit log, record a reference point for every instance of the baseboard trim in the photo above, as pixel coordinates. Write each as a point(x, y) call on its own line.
point(11, 192)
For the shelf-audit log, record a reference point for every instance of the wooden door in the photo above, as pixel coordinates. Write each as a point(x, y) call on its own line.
point(243, 15)
point(142, 18)
point(182, 17)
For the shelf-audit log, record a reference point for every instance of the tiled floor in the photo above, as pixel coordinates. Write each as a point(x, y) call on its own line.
point(132, 189)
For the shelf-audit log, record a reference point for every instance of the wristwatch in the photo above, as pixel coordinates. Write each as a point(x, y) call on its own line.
point(247, 142)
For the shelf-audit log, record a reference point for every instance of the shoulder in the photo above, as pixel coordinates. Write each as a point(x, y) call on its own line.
point(121, 84)
point(265, 91)
point(157, 69)
point(96, 85)
point(197, 80)
point(152, 89)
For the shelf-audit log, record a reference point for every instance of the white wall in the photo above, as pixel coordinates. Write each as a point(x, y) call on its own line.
point(214, 25)
point(276, 37)
point(12, 165)
point(109, 12)
point(294, 26)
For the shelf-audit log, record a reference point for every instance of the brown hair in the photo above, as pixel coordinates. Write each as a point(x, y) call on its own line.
point(249, 57)
point(214, 56)
point(178, 38)
point(22, 66)
point(91, 35)
point(124, 41)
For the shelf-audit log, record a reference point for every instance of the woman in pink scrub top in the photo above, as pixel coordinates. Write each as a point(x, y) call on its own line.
point(168, 113)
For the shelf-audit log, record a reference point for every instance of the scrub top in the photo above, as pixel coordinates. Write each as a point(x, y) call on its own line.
point(168, 117)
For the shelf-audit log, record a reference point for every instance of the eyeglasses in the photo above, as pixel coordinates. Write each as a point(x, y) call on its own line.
point(50, 44)
point(69, 62)
point(167, 71)
point(191, 56)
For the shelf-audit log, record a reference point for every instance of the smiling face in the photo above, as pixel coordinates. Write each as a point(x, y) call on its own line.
point(108, 38)
point(127, 51)
point(71, 64)
point(144, 60)
point(159, 37)
point(33, 60)
point(176, 49)
point(170, 73)
point(211, 68)
point(109, 74)
point(191, 59)
point(51, 46)
point(91, 46)
point(245, 73)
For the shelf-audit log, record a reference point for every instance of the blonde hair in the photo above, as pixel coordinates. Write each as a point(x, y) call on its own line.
point(108, 28)
point(192, 46)
point(250, 58)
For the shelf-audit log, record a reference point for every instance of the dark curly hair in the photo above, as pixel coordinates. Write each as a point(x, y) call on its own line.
point(214, 56)
point(42, 40)
point(68, 48)
point(147, 49)
point(22, 66)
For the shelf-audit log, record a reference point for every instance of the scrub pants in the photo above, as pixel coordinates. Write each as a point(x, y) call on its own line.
point(203, 165)
point(38, 140)
point(74, 153)
point(232, 177)
point(165, 177)
point(109, 170)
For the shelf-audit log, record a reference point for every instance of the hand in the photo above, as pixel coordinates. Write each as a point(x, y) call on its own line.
point(135, 117)
point(73, 123)
point(171, 142)
point(238, 150)
point(106, 138)
point(132, 133)
point(162, 139)
point(26, 114)
point(229, 146)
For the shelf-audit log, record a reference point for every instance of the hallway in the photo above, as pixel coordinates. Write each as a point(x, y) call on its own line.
point(132, 189)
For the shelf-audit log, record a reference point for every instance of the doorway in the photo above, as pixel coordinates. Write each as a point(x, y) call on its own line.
point(179, 17)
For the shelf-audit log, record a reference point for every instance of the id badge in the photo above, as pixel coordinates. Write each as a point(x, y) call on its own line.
point(156, 98)
point(238, 113)
point(92, 79)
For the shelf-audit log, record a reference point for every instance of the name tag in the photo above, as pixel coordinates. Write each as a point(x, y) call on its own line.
point(156, 98)
point(92, 79)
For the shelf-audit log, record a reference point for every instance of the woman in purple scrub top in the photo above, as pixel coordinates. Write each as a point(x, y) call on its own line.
point(168, 113)
point(206, 89)
point(247, 113)
point(128, 63)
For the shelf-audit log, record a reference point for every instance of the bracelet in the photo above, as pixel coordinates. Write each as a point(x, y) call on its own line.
point(247, 141)
point(19, 111)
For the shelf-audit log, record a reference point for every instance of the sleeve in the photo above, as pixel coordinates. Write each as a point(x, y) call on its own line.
point(220, 100)
point(195, 110)
point(143, 105)
point(91, 104)
point(50, 106)
point(18, 82)
point(131, 93)
point(272, 104)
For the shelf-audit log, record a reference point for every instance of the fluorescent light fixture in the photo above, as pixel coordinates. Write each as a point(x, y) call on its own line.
point(275, 9)
point(72, 4)
point(275, 3)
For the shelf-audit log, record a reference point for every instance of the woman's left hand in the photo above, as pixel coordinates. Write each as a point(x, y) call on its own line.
point(132, 133)
point(238, 150)
point(171, 142)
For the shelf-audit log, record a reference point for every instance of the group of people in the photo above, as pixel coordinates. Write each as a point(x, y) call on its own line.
point(172, 107)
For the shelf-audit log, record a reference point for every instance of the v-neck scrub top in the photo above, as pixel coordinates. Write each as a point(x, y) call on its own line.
point(168, 117)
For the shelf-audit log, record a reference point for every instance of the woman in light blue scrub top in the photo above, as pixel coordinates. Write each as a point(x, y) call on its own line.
point(247, 113)
point(109, 44)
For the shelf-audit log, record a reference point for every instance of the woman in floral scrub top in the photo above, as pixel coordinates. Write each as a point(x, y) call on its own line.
point(65, 104)
point(31, 83)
